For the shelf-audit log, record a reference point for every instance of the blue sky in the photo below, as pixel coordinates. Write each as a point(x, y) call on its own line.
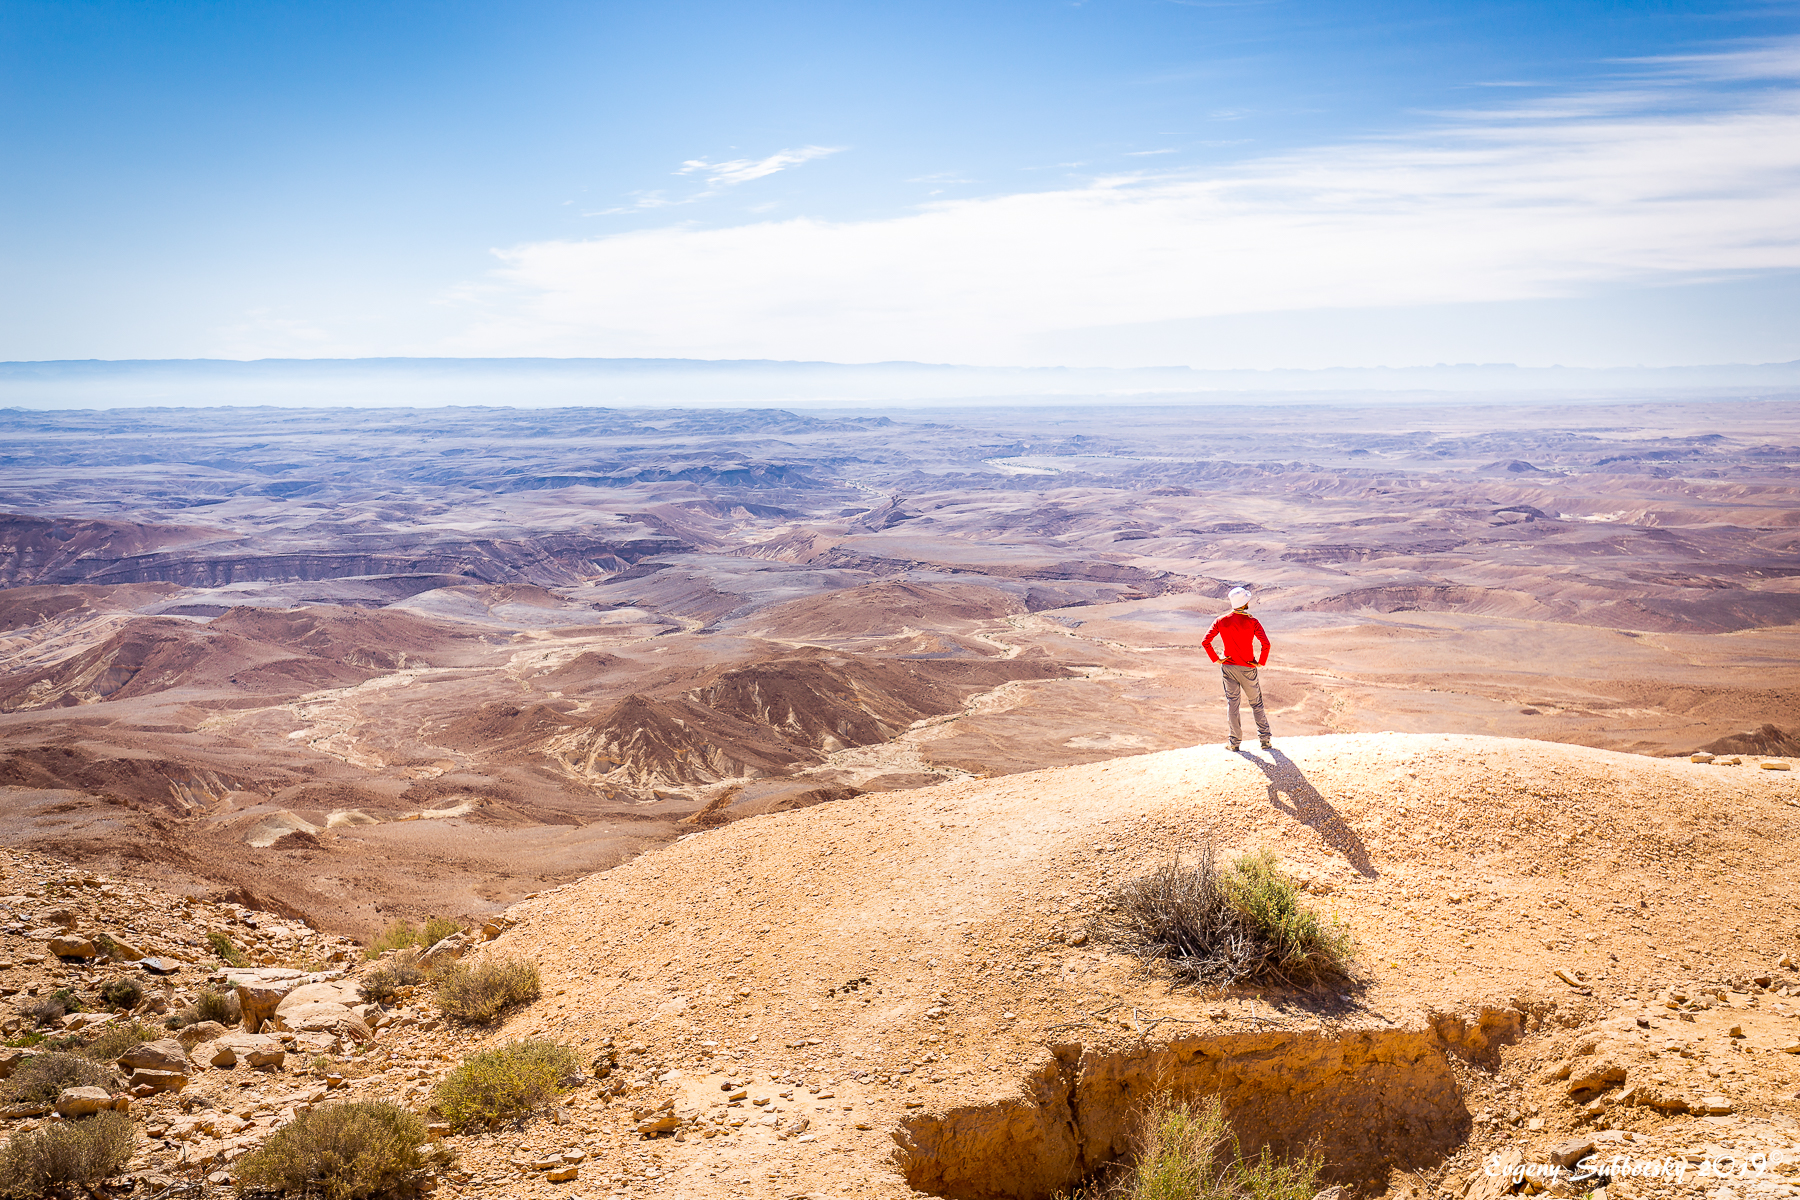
point(1112, 182)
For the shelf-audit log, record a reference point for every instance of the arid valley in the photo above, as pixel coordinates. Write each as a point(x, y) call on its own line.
point(371, 663)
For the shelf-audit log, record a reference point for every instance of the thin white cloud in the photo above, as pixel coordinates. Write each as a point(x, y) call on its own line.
point(1545, 200)
point(742, 170)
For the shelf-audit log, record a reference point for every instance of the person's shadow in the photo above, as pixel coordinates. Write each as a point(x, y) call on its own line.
point(1289, 792)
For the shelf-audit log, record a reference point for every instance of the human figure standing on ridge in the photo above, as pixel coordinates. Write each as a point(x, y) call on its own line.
point(1238, 632)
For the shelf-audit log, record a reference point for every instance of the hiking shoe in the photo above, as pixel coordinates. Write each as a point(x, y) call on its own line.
point(1231, 743)
point(1268, 744)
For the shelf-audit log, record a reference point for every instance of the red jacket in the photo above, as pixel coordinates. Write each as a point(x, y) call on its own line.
point(1239, 632)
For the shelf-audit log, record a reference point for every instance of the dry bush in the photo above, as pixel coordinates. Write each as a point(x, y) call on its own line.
point(1246, 924)
point(215, 1006)
point(439, 928)
point(1187, 1152)
point(506, 1084)
point(123, 992)
point(340, 1152)
point(384, 982)
point(54, 1007)
point(478, 993)
point(41, 1080)
point(115, 1040)
point(404, 935)
point(65, 1155)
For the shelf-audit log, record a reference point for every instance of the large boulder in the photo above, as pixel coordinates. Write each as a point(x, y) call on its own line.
point(164, 1054)
point(260, 990)
point(326, 1007)
point(324, 1017)
point(337, 991)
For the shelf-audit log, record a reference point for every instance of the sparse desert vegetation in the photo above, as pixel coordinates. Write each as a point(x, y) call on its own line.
point(473, 993)
point(1246, 923)
point(58, 1158)
point(507, 1083)
point(343, 1151)
point(40, 1079)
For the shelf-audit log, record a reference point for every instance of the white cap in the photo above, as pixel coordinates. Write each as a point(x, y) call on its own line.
point(1239, 597)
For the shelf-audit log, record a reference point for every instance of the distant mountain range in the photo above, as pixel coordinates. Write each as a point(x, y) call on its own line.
point(638, 382)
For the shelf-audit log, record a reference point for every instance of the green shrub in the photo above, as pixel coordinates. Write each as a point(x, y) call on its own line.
point(1181, 1151)
point(397, 936)
point(122, 993)
point(473, 994)
point(439, 928)
point(340, 1152)
point(222, 946)
point(1217, 928)
point(506, 1084)
point(116, 1039)
point(384, 982)
point(65, 1155)
point(404, 935)
point(214, 1006)
point(41, 1080)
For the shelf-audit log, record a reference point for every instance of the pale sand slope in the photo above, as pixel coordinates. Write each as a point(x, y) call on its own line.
point(1468, 867)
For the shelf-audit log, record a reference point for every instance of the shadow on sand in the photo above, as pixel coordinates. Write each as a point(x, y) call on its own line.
point(1290, 793)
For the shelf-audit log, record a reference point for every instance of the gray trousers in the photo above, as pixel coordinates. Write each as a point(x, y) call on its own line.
point(1242, 680)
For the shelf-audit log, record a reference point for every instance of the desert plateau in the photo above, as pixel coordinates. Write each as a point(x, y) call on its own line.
point(803, 753)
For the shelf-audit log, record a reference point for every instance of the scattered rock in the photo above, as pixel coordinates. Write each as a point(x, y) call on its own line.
point(1596, 1076)
point(83, 1101)
point(164, 1054)
point(247, 1049)
point(70, 946)
point(201, 1031)
point(1572, 1151)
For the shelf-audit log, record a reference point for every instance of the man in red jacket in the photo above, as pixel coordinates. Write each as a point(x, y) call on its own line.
point(1239, 632)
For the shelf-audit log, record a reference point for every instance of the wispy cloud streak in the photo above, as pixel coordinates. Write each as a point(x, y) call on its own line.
point(1649, 181)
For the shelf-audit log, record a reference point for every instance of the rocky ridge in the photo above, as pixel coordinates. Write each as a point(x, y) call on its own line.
point(912, 994)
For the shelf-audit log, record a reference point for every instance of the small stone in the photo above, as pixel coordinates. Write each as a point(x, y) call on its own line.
point(1773, 764)
point(160, 966)
point(1700, 756)
point(1714, 1106)
point(562, 1174)
point(1572, 1151)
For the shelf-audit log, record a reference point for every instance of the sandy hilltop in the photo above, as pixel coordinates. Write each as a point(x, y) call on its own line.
point(906, 992)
